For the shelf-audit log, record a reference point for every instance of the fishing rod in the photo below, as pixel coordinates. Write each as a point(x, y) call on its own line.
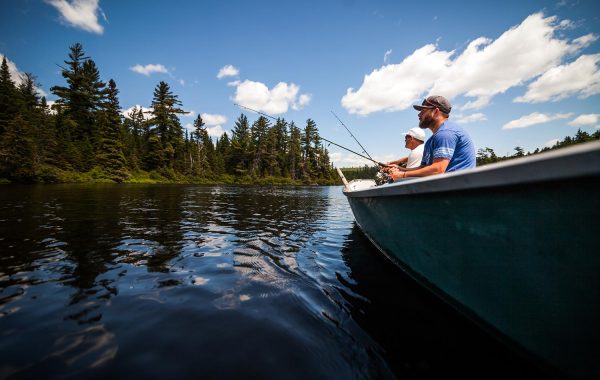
point(322, 138)
point(258, 112)
point(355, 139)
point(358, 154)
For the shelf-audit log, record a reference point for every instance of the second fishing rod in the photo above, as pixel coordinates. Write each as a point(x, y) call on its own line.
point(324, 139)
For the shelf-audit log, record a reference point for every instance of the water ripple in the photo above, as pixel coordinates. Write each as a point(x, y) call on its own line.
point(211, 281)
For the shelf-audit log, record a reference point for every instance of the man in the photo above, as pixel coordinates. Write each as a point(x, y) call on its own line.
point(413, 140)
point(449, 148)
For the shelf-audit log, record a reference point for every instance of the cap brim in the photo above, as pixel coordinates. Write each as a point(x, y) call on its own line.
point(420, 108)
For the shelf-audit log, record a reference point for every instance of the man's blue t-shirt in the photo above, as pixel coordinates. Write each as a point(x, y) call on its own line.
point(451, 142)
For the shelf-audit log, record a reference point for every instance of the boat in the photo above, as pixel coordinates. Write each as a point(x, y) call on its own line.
point(513, 245)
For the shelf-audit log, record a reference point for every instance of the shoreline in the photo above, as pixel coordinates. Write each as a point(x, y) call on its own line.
point(154, 178)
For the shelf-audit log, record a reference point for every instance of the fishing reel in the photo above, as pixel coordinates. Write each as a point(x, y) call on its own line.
point(382, 178)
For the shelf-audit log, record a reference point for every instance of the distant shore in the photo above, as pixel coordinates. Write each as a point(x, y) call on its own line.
point(153, 177)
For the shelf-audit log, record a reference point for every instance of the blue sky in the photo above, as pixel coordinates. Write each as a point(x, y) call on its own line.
point(518, 73)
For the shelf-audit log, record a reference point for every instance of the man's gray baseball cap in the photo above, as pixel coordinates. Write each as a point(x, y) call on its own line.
point(435, 101)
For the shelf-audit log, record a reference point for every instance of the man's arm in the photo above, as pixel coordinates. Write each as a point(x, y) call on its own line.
point(398, 161)
point(438, 166)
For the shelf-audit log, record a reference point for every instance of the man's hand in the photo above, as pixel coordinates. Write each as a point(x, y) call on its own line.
point(386, 167)
point(395, 171)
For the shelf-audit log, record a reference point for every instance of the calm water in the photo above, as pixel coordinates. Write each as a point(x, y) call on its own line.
point(138, 281)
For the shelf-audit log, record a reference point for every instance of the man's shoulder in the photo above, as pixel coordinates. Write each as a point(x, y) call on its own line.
point(451, 126)
point(450, 129)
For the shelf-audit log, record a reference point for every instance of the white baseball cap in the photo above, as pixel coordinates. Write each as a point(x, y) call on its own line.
point(417, 133)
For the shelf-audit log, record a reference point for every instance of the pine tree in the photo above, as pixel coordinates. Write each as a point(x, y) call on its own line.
point(486, 156)
point(79, 101)
point(294, 154)
point(154, 157)
point(519, 152)
point(241, 147)
point(582, 136)
point(109, 152)
point(35, 116)
point(17, 151)
point(259, 132)
point(222, 148)
point(28, 92)
point(203, 152)
point(134, 138)
point(209, 148)
point(325, 168)
point(46, 140)
point(8, 92)
point(168, 127)
point(71, 98)
point(276, 164)
point(310, 142)
point(65, 153)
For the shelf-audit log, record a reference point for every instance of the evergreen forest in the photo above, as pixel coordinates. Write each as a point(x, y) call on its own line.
point(84, 137)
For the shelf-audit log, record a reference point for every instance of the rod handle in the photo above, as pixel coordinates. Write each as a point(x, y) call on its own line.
point(344, 180)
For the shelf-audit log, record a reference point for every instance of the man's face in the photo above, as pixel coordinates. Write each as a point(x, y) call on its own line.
point(426, 119)
point(411, 142)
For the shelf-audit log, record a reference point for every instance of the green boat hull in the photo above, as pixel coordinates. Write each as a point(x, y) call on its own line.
point(521, 259)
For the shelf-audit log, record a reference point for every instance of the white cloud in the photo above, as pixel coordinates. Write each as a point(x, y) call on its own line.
point(81, 14)
point(585, 41)
point(470, 118)
point(149, 69)
point(210, 119)
point(386, 56)
point(349, 160)
point(551, 143)
point(278, 100)
point(581, 77)
point(216, 131)
point(212, 122)
point(228, 71)
point(535, 118)
point(585, 120)
point(484, 69)
point(146, 111)
point(395, 87)
point(50, 103)
point(303, 101)
point(17, 75)
point(342, 160)
point(487, 68)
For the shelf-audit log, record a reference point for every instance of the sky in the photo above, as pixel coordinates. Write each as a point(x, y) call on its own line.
point(518, 73)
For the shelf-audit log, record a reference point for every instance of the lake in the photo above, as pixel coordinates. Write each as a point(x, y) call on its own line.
point(175, 281)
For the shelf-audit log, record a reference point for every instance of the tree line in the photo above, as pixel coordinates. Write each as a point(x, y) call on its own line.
point(488, 156)
point(83, 136)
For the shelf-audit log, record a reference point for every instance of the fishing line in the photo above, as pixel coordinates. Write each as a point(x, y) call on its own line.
point(355, 139)
point(323, 138)
point(258, 112)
